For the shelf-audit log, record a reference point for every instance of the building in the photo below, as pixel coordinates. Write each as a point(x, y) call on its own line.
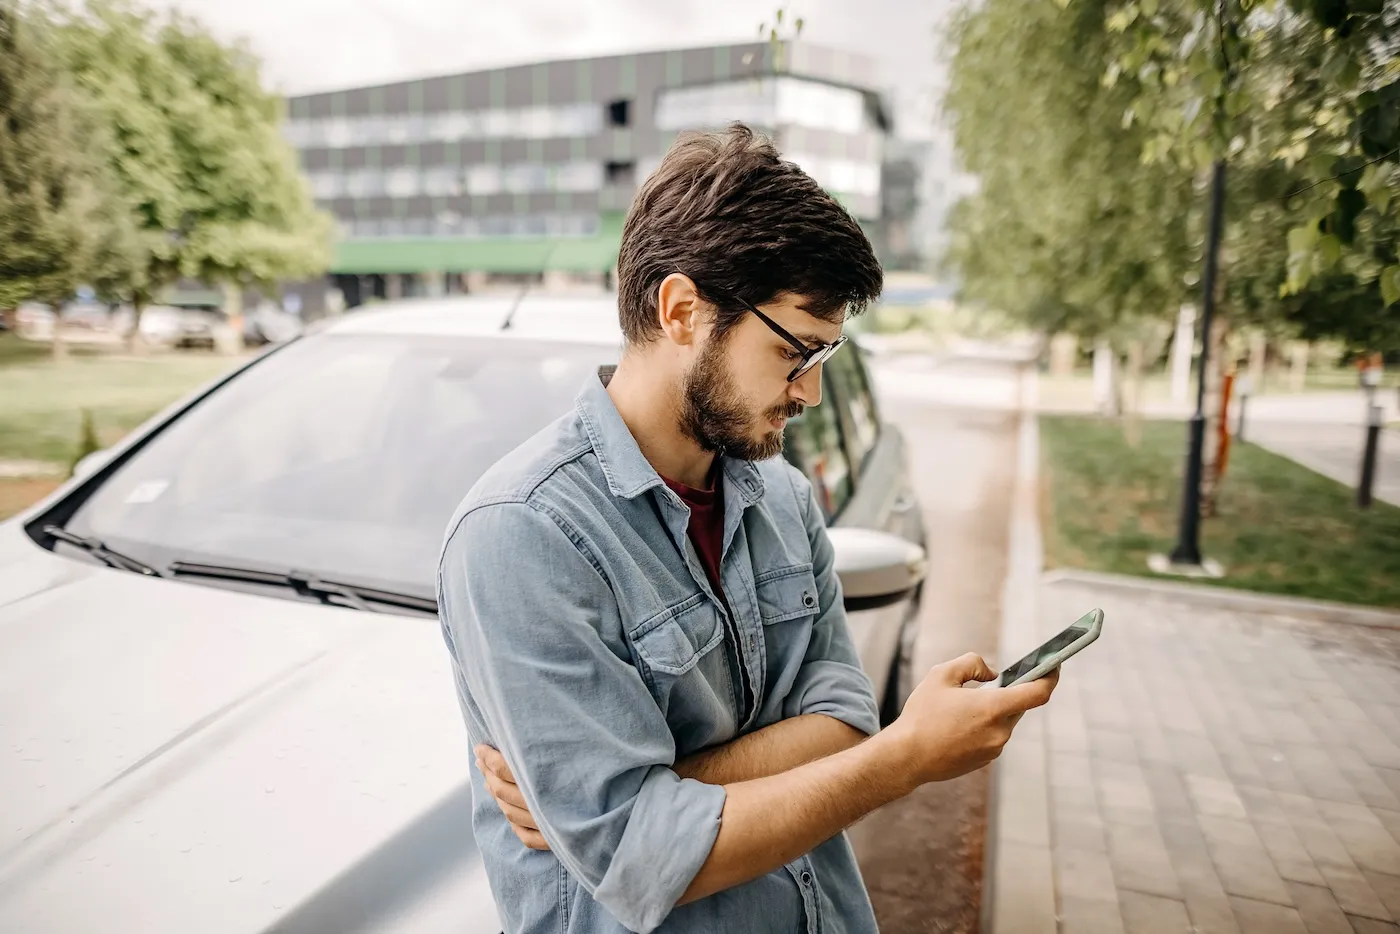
point(524, 174)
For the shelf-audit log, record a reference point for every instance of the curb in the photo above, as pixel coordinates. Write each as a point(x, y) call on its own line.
point(1018, 888)
point(1225, 598)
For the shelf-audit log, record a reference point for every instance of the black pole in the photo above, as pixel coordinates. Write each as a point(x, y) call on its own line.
point(1188, 541)
point(1368, 460)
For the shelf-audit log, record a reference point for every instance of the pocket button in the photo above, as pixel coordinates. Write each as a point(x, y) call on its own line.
point(808, 600)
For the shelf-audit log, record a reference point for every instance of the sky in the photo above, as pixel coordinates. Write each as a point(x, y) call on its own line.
point(310, 45)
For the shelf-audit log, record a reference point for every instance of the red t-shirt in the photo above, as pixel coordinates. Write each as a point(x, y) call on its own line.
point(706, 524)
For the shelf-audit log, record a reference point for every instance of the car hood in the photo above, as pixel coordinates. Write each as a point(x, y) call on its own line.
point(176, 757)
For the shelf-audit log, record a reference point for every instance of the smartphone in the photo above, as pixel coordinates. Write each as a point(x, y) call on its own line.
point(1056, 649)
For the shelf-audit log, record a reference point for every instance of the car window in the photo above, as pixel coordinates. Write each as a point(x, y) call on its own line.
point(815, 445)
point(340, 455)
point(851, 380)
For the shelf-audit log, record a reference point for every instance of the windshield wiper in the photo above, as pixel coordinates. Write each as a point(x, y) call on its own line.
point(355, 596)
point(95, 547)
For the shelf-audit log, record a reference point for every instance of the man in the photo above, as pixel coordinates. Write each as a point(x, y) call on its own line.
point(671, 724)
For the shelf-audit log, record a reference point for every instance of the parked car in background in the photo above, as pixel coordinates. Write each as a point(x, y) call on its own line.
point(225, 704)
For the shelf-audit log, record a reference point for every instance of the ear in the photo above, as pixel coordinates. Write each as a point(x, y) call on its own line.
point(680, 311)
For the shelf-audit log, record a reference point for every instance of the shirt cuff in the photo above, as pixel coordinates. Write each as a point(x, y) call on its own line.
point(839, 691)
point(669, 836)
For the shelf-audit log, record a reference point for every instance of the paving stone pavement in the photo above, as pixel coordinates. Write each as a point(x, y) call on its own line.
point(1221, 772)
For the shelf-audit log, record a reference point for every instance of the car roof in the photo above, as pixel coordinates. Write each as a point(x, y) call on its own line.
point(581, 319)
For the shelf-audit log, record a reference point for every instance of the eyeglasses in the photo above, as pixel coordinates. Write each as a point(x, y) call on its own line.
point(811, 356)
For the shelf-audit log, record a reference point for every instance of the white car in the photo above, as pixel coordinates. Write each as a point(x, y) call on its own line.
point(225, 703)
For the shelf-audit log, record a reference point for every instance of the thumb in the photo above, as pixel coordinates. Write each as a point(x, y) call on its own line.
point(965, 668)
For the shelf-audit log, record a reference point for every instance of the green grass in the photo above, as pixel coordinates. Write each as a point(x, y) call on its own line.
point(1280, 527)
point(41, 400)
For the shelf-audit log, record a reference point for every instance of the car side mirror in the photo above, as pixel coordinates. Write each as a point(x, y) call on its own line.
point(89, 463)
point(876, 568)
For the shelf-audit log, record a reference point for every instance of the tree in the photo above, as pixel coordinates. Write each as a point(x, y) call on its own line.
point(195, 152)
point(1069, 229)
point(49, 194)
point(1303, 95)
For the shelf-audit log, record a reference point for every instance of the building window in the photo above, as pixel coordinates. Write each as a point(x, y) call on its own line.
point(451, 224)
point(766, 101)
point(620, 172)
point(619, 113)
point(401, 182)
point(543, 122)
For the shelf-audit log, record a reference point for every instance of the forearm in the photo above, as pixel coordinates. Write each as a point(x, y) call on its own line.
point(769, 822)
point(770, 751)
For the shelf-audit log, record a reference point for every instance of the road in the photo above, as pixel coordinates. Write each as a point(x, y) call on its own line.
point(922, 857)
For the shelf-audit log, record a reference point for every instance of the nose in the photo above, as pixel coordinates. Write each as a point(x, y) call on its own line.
point(807, 388)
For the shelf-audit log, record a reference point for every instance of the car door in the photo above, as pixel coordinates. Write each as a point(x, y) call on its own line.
point(857, 469)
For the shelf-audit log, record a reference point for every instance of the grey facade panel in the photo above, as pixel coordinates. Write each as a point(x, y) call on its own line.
point(432, 154)
point(357, 102)
point(561, 83)
point(519, 87)
point(314, 160)
point(558, 150)
point(353, 158)
point(395, 99)
point(697, 66)
point(435, 94)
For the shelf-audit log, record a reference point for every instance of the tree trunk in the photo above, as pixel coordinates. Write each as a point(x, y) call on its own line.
point(58, 344)
point(1298, 375)
point(1132, 421)
point(134, 344)
point(1106, 390)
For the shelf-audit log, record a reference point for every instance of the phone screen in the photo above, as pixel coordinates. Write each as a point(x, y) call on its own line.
point(1050, 647)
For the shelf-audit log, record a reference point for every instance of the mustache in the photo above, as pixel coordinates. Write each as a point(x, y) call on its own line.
point(790, 410)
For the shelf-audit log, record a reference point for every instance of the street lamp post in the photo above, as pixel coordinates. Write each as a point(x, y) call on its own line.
point(1188, 543)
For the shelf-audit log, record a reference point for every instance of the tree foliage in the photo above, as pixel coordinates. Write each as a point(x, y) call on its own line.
point(1091, 125)
point(138, 150)
point(1304, 96)
point(1068, 228)
point(49, 198)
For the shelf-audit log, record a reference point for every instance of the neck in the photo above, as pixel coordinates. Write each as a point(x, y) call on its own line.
point(650, 404)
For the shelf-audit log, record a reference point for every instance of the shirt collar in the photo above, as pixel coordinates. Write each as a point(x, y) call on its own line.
point(628, 471)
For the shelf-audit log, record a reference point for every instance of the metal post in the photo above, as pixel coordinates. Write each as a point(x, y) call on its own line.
point(1188, 542)
point(1373, 443)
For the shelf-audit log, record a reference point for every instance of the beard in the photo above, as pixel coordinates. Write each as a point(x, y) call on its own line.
point(715, 416)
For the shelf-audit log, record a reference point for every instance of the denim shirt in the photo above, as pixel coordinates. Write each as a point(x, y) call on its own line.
point(589, 648)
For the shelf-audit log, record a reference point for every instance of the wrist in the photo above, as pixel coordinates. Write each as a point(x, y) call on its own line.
point(896, 760)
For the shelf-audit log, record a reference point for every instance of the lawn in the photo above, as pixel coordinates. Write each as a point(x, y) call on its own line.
point(41, 401)
point(1281, 528)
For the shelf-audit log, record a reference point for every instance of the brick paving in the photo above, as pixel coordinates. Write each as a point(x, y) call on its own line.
point(1215, 771)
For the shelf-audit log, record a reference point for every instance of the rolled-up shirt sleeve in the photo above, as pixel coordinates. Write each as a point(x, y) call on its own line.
point(532, 625)
point(831, 680)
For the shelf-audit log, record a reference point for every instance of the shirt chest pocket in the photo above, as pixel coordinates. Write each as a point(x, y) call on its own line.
point(673, 641)
point(786, 594)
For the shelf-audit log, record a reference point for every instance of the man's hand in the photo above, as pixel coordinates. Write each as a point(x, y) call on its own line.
point(501, 784)
point(947, 730)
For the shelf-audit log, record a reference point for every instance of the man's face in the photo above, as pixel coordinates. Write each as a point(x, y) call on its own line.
point(736, 399)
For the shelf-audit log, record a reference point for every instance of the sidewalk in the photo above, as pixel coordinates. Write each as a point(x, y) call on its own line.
point(1223, 771)
point(1209, 766)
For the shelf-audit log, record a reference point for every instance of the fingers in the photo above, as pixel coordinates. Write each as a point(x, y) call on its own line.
point(501, 783)
point(1028, 696)
point(490, 758)
point(531, 838)
point(965, 668)
point(502, 789)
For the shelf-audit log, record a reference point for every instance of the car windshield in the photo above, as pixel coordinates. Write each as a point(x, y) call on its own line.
point(342, 456)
